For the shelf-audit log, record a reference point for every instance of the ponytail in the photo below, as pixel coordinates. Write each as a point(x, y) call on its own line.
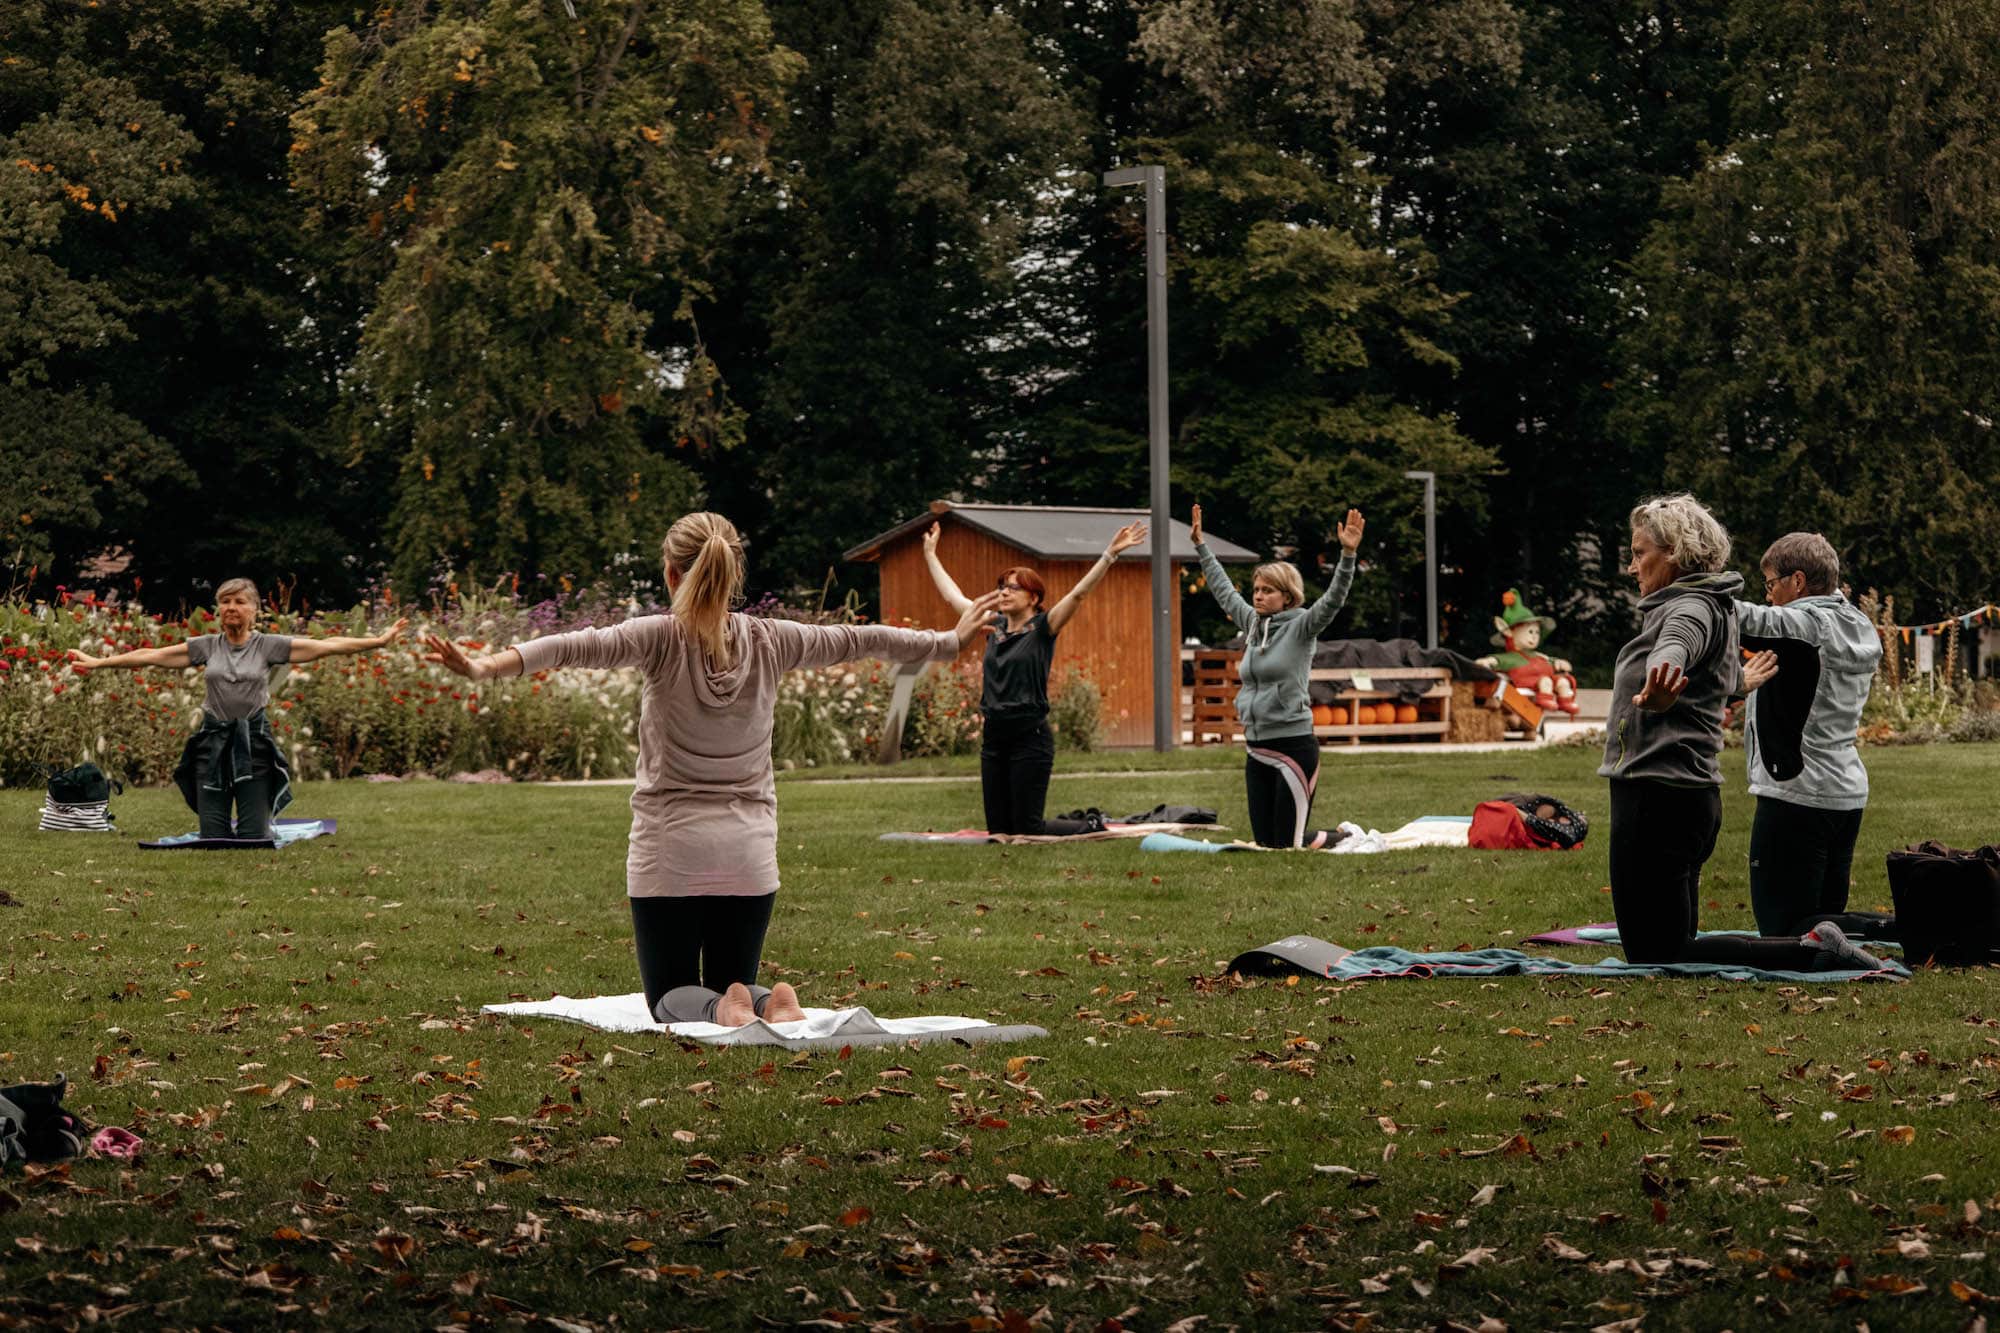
point(708, 553)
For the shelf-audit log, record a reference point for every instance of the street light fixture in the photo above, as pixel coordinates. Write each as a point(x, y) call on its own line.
point(1166, 653)
point(1430, 481)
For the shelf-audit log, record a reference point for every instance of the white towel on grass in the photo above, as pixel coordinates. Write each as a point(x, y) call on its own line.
point(627, 1013)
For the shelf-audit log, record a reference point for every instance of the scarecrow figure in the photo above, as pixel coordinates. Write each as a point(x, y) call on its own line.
point(1520, 631)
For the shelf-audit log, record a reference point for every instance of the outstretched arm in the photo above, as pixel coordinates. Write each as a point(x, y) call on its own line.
point(802, 645)
point(173, 655)
point(947, 586)
point(1328, 606)
point(506, 662)
point(1217, 579)
point(309, 650)
point(1125, 539)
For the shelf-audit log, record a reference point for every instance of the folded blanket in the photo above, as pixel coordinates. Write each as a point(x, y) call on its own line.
point(831, 1028)
point(284, 832)
point(1385, 961)
point(1425, 831)
point(981, 835)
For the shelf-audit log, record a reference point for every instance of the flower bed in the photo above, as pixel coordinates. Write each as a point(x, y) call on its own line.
point(392, 712)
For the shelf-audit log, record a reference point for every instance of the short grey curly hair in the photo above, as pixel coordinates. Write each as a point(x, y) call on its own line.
point(1692, 537)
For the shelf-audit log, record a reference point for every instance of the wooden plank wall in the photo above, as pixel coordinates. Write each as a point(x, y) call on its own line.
point(1110, 635)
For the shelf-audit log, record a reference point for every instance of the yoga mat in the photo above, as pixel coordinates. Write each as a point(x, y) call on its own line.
point(980, 835)
point(1424, 831)
point(820, 1028)
point(1386, 962)
point(284, 832)
point(1606, 932)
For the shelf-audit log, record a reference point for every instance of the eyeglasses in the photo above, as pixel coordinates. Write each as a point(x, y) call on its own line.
point(1005, 586)
point(1772, 583)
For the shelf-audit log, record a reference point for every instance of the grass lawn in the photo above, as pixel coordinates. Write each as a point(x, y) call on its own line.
point(336, 1138)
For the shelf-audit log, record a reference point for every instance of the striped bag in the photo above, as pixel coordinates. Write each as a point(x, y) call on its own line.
point(85, 817)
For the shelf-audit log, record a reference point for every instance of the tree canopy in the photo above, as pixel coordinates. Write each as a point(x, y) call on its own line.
point(482, 289)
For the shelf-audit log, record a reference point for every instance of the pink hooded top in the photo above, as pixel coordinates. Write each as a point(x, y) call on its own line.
point(705, 804)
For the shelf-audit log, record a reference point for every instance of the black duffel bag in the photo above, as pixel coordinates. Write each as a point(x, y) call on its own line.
point(1947, 904)
point(85, 784)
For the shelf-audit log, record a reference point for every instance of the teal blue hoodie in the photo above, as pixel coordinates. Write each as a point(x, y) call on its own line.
point(1277, 652)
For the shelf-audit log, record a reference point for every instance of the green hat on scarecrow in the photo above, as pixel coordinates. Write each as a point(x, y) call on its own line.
point(1513, 612)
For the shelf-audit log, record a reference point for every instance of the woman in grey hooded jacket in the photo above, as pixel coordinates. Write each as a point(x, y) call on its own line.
point(1802, 843)
point(1281, 764)
point(1661, 745)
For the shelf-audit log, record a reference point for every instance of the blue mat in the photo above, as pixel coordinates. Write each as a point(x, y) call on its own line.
point(284, 832)
point(1386, 961)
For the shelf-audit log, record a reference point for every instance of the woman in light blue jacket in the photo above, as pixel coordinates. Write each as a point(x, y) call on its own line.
point(1802, 841)
point(1281, 766)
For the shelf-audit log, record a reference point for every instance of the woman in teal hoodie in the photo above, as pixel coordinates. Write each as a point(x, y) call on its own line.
point(1281, 766)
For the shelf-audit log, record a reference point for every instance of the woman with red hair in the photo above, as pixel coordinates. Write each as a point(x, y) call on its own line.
point(1017, 751)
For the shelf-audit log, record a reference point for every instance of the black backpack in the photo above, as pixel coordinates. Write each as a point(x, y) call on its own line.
point(85, 784)
point(34, 1127)
point(1947, 904)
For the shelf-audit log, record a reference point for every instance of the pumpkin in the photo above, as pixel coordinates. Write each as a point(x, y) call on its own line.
point(1365, 715)
point(1339, 716)
point(1406, 712)
point(1322, 715)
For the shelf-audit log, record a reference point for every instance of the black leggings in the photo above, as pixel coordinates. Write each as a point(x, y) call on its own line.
point(690, 949)
point(1660, 837)
point(1800, 860)
point(1280, 777)
point(1016, 757)
point(252, 798)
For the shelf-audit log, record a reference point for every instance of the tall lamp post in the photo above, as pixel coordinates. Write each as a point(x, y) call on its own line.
point(1166, 653)
point(1430, 481)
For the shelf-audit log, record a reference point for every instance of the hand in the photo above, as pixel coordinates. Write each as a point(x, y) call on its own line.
point(1664, 684)
point(978, 616)
point(453, 659)
point(1194, 524)
point(393, 633)
point(1350, 531)
point(82, 661)
point(1127, 537)
point(1759, 669)
point(931, 540)
point(1489, 661)
point(1562, 667)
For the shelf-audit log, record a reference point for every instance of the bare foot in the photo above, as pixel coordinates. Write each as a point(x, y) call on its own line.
point(783, 1006)
point(735, 1008)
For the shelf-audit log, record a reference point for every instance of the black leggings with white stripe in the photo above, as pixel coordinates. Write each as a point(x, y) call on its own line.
point(1280, 777)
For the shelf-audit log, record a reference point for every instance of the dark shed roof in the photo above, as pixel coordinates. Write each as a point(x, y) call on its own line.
point(1051, 532)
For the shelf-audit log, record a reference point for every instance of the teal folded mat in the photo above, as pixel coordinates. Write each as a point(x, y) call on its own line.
point(1386, 961)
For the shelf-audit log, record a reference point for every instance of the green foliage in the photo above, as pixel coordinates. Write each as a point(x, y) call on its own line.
point(533, 204)
point(1819, 297)
point(1076, 710)
point(944, 712)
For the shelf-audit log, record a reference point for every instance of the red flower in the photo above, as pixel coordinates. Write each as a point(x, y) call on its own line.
point(57, 688)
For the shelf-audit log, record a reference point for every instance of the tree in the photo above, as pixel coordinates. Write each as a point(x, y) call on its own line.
point(866, 301)
point(534, 203)
point(1534, 187)
point(1818, 301)
point(202, 383)
point(1305, 320)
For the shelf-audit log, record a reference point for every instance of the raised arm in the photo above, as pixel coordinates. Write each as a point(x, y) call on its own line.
point(947, 586)
point(802, 645)
point(1682, 641)
point(1322, 612)
point(1781, 622)
point(309, 650)
point(1217, 579)
point(1124, 540)
point(174, 655)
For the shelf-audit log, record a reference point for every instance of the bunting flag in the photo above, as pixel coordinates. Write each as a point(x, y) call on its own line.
point(1984, 615)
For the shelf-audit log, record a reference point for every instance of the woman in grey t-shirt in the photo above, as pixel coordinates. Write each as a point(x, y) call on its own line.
point(233, 759)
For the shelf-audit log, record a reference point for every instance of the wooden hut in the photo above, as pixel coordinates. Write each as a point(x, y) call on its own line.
point(1111, 637)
